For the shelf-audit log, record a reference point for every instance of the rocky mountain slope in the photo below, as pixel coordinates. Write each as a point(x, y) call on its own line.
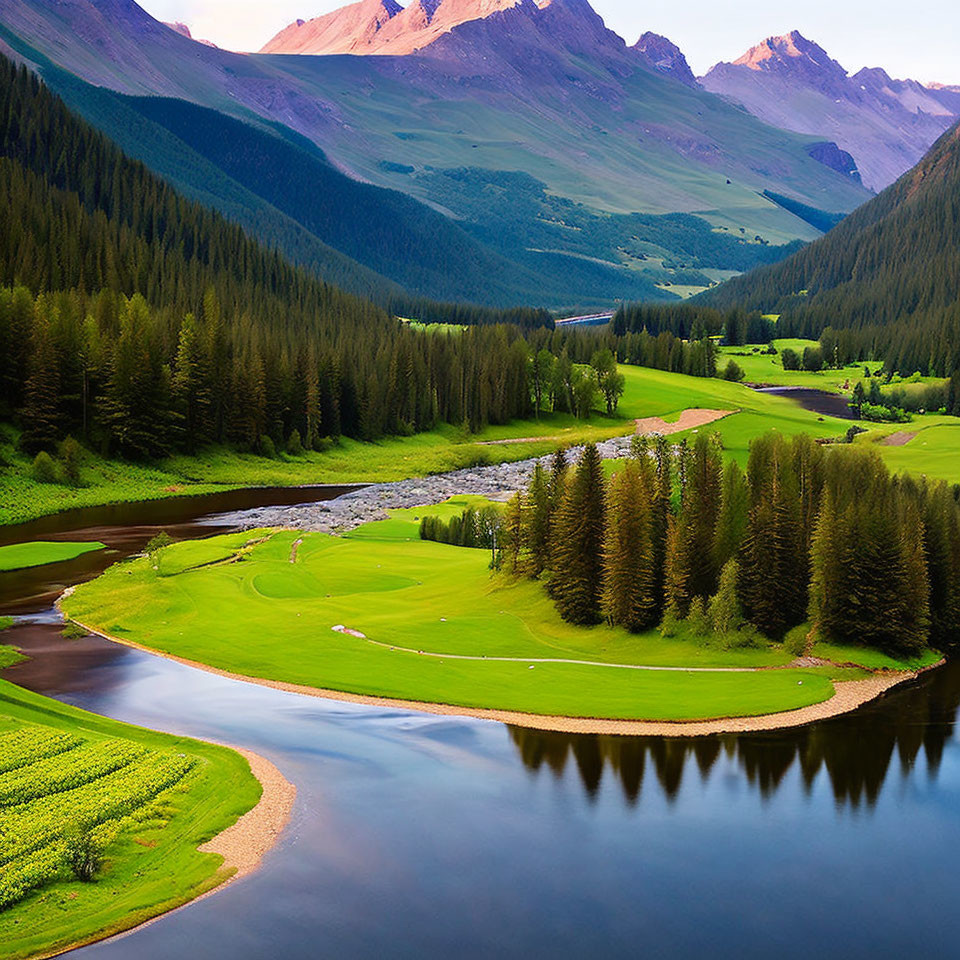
point(885, 124)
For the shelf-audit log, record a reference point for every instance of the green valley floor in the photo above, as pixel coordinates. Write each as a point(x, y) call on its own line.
point(380, 613)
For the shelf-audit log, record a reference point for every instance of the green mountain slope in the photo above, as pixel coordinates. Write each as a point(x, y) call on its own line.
point(893, 267)
point(505, 95)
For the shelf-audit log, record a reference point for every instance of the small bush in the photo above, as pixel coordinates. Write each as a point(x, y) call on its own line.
point(294, 444)
point(84, 856)
point(795, 642)
point(158, 543)
point(733, 372)
point(44, 469)
point(267, 448)
point(73, 632)
point(790, 359)
point(71, 458)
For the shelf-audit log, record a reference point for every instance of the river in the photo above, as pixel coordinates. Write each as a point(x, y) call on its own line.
point(417, 836)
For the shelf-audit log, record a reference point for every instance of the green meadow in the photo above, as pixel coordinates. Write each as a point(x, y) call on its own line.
point(150, 797)
point(37, 553)
point(436, 625)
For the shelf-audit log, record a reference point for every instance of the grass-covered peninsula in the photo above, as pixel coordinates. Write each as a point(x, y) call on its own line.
point(100, 822)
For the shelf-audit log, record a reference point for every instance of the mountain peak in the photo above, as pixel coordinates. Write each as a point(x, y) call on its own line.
point(350, 29)
point(789, 51)
point(178, 27)
point(665, 56)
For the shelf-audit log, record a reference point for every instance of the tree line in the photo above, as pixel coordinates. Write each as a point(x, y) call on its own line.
point(809, 535)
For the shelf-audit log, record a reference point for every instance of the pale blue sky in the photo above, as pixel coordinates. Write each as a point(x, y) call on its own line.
point(918, 42)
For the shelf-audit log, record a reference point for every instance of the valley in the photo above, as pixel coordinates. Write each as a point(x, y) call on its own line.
point(470, 485)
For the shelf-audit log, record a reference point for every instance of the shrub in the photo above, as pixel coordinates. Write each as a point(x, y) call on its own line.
point(158, 543)
point(812, 359)
point(733, 372)
point(295, 444)
point(698, 623)
point(71, 457)
point(790, 359)
point(268, 448)
point(795, 642)
point(84, 856)
point(44, 469)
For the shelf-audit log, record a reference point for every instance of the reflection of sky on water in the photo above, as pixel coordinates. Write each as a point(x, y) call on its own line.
point(416, 835)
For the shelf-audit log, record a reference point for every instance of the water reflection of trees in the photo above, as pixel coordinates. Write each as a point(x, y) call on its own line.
point(854, 751)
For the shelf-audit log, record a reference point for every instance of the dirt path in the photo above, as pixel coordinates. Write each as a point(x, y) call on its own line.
point(690, 419)
point(899, 438)
point(293, 549)
point(849, 695)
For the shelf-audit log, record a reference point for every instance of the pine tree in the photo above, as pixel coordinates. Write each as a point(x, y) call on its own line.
point(628, 598)
point(536, 523)
point(578, 560)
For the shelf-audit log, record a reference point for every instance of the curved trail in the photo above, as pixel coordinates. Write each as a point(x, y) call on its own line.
point(581, 663)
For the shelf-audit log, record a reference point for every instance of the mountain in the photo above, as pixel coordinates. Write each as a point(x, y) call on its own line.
point(886, 125)
point(534, 128)
point(665, 56)
point(892, 268)
point(184, 31)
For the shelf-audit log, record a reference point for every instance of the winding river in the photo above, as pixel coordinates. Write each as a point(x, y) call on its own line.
point(418, 836)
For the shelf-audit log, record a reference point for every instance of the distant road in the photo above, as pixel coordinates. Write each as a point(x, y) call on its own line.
point(590, 320)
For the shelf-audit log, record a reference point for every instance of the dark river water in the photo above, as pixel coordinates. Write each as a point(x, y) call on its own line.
point(818, 401)
point(416, 836)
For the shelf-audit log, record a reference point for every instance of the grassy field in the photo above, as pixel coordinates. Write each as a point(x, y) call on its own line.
point(36, 553)
point(761, 367)
point(436, 622)
point(152, 798)
point(648, 393)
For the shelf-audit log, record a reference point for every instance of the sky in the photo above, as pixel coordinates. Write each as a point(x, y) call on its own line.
point(908, 41)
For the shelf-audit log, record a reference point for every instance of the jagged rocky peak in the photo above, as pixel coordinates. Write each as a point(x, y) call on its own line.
point(792, 53)
point(184, 31)
point(347, 30)
point(384, 27)
point(665, 56)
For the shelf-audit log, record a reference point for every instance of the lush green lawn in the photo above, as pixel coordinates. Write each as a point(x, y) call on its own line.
point(267, 617)
point(871, 659)
point(39, 552)
point(934, 452)
point(152, 863)
point(761, 367)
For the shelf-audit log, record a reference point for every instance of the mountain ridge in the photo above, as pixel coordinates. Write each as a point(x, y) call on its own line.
point(886, 125)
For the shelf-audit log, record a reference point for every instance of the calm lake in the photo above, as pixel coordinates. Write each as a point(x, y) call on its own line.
point(416, 836)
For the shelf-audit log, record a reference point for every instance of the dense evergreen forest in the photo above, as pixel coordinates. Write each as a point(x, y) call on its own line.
point(142, 323)
point(680, 539)
point(888, 276)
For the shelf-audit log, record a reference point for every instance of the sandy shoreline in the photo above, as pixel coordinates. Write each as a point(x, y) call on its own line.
point(244, 845)
point(849, 695)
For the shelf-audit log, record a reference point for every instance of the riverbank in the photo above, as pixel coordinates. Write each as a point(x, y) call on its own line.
point(849, 695)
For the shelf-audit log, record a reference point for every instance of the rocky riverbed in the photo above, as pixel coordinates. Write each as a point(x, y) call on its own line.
point(496, 482)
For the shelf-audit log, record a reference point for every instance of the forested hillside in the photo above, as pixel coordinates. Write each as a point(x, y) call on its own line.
point(890, 272)
point(142, 322)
